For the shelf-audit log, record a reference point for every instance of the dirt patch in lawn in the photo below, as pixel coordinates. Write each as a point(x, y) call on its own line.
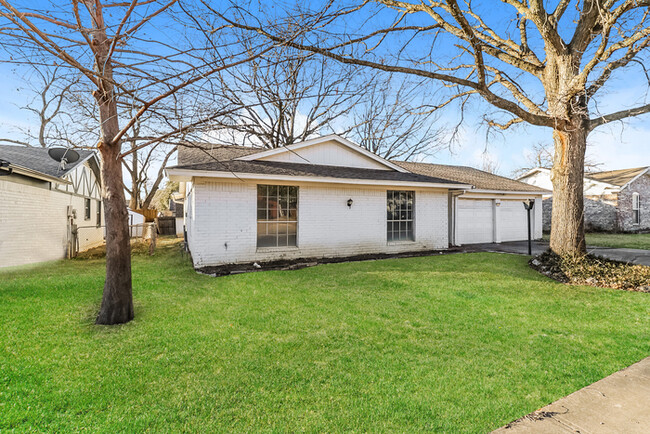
point(297, 264)
point(593, 271)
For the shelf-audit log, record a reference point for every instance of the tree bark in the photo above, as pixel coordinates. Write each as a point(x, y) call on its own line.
point(117, 299)
point(567, 175)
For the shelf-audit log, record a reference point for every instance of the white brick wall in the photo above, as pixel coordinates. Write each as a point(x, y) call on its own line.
point(222, 224)
point(33, 223)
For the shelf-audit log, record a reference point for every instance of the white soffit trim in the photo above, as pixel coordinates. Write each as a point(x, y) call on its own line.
point(188, 175)
point(297, 146)
point(37, 175)
point(526, 193)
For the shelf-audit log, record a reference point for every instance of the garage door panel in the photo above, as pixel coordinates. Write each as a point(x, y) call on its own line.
point(513, 221)
point(475, 221)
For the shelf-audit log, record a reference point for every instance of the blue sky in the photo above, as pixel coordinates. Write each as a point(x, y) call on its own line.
point(616, 146)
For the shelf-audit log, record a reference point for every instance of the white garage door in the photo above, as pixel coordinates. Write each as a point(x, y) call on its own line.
point(513, 222)
point(474, 221)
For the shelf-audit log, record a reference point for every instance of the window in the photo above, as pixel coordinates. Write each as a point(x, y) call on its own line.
point(99, 213)
point(86, 209)
point(636, 209)
point(399, 206)
point(277, 215)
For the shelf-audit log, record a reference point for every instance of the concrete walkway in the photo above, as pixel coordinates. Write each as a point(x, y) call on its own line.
point(634, 256)
point(619, 403)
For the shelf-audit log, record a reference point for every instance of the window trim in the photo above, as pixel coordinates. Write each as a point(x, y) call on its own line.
point(296, 221)
point(411, 220)
point(636, 208)
point(98, 223)
point(87, 209)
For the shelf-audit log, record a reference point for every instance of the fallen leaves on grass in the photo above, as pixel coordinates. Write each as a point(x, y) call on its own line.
point(593, 271)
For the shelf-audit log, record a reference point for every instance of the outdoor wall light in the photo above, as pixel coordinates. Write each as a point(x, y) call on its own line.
point(350, 201)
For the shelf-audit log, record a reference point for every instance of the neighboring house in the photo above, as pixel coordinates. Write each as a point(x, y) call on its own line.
point(47, 211)
point(328, 197)
point(177, 208)
point(615, 200)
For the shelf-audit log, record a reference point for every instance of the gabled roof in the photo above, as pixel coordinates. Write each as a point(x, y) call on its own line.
point(619, 178)
point(468, 175)
point(37, 161)
point(331, 137)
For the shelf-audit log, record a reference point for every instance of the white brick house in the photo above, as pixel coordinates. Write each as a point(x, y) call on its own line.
point(42, 202)
point(328, 197)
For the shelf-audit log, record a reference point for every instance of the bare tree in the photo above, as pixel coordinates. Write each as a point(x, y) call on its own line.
point(112, 45)
point(285, 98)
point(489, 164)
point(396, 122)
point(289, 97)
point(48, 107)
point(542, 156)
point(542, 64)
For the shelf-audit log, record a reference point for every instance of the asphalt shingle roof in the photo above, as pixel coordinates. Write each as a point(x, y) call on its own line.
point(210, 157)
point(617, 177)
point(468, 175)
point(37, 159)
point(298, 169)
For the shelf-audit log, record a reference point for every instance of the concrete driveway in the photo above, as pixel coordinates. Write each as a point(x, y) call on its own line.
point(633, 256)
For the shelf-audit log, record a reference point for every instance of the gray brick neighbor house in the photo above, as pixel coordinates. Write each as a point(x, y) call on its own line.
point(615, 200)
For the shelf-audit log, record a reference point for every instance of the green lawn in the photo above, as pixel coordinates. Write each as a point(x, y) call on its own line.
point(630, 241)
point(455, 343)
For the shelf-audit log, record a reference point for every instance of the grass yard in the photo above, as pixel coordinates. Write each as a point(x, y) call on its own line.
point(630, 241)
point(455, 343)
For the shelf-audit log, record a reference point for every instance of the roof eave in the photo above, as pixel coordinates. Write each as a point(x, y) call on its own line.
point(517, 192)
point(36, 174)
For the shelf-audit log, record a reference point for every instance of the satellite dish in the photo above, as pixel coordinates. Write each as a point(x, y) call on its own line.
point(4, 164)
point(63, 156)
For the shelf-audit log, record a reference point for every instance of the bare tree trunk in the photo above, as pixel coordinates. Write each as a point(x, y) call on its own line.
point(567, 175)
point(117, 299)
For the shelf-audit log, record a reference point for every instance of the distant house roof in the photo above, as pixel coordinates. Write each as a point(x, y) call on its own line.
point(38, 160)
point(617, 177)
point(468, 175)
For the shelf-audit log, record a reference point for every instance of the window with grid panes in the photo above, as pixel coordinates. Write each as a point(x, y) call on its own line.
point(400, 215)
point(277, 215)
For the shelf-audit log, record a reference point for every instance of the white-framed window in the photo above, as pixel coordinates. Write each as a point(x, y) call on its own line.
point(400, 215)
point(636, 208)
point(277, 215)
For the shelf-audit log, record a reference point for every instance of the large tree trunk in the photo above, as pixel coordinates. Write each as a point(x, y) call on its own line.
point(567, 175)
point(117, 299)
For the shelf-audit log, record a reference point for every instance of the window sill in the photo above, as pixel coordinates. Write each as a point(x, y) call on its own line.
point(277, 249)
point(398, 243)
